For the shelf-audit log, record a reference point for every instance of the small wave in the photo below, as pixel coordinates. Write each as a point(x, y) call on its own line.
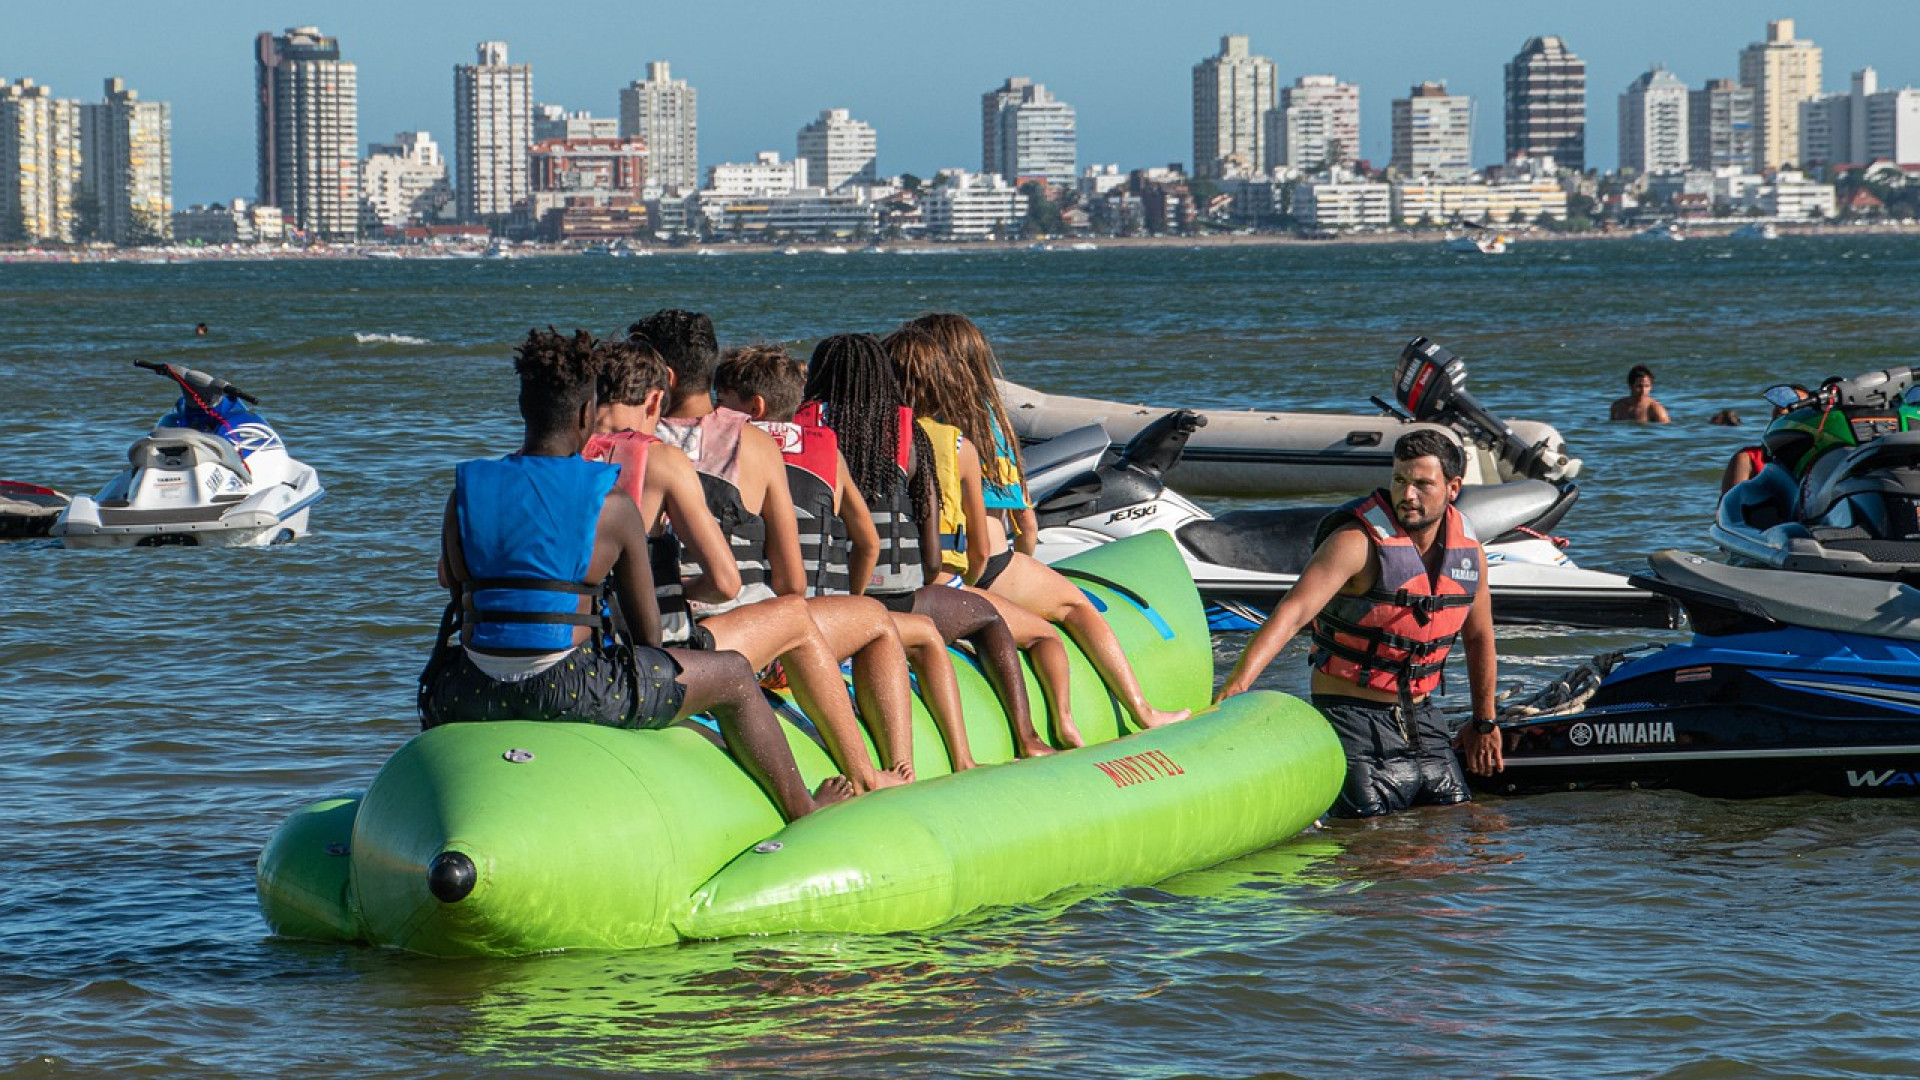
point(389, 339)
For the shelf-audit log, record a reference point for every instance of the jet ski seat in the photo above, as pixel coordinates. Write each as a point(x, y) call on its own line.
point(1494, 510)
point(1084, 441)
point(1270, 541)
point(174, 448)
point(1842, 605)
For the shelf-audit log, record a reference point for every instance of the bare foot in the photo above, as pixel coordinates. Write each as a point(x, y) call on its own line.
point(832, 790)
point(1068, 733)
point(1035, 748)
point(964, 764)
point(894, 776)
point(1154, 718)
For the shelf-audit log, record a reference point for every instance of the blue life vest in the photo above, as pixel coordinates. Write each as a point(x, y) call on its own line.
point(1008, 490)
point(527, 529)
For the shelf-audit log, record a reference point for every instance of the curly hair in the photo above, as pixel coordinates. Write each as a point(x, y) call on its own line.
point(851, 375)
point(686, 342)
point(965, 354)
point(629, 371)
point(766, 370)
point(559, 375)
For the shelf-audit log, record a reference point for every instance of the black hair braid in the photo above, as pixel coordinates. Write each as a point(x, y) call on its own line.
point(851, 374)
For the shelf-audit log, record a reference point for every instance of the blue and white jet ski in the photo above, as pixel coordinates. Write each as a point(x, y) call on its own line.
point(211, 473)
point(1792, 682)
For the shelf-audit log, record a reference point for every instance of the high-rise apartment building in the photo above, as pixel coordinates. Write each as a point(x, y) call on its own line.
point(1233, 93)
point(492, 128)
point(1864, 125)
point(1782, 72)
point(126, 151)
point(1720, 126)
point(663, 112)
point(839, 150)
point(39, 163)
point(307, 111)
point(1547, 104)
point(1433, 133)
point(1653, 123)
point(1028, 134)
point(403, 182)
point(1317, 124)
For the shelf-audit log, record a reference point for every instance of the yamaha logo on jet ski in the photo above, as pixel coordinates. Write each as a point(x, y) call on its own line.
point(1585, 734)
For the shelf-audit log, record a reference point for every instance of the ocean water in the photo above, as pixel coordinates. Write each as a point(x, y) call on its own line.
point(165, 709)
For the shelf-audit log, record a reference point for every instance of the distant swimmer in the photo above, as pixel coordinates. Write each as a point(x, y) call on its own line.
point(199, 329)
point(1639, 405)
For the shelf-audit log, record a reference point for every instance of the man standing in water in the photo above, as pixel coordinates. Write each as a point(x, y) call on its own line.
point(1639, 405)
point(1394, 578)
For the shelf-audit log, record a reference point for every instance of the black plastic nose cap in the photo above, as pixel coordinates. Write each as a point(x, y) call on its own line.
point(451, 876)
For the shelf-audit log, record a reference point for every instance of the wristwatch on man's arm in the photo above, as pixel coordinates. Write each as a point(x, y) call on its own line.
point(1484, 726)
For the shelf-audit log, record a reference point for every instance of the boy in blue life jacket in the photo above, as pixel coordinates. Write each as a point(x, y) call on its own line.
point(528, 544)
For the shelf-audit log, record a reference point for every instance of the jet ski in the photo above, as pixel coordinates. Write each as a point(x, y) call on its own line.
point(1841, 493)
point(1245, 560)
point(1247, 452)
point(211, 473)
point(28, 510)
point(1792, 682)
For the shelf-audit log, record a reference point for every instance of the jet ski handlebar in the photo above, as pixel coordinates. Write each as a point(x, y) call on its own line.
point(1430, 381)
point(1874, 389)
point(199, 382)
point(1157, 447)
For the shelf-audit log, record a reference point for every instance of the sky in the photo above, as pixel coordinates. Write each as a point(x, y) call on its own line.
point(764, 68)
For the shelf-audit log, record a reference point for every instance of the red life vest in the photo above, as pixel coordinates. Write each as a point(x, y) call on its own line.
point(1756, 457)
point(812, 453)
point(900, 569)
point(1396, 636)
point(627, 449)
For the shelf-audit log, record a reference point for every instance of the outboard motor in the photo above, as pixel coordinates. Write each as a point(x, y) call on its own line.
point(1431, 383)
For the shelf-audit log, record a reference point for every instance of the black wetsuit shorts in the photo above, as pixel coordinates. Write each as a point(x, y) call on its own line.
point(615, 686)
point(1396, 757)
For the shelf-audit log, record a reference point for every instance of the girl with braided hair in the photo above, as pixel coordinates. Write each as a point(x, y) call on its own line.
point(852, 390)
point(946, 371)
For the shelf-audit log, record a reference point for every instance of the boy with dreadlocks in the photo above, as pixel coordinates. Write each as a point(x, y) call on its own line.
point(528, 544)
point(838, 543)
point(851, 389)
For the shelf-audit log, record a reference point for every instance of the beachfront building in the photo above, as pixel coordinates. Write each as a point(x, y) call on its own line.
point(1864, 125)
point(555, 122)
point(402, 183)
point(1317, 125)
point(1233, 93)
point(126, 174)
point(839, 151)
point(40, 155)
point(1547, 104)
point(1782, 72)
point(1720, 129)
point(492, 128)
point(1433, 133)
point(808, 213)
point(1027, 134)
point(308, 133)
point(1343, 204)
point(1653, 123)
point(663, 112)
point(236, 222)
point(1478, 204)
point(764, 176)
point(1097, 180)
point(971, 206)
point(588, 189)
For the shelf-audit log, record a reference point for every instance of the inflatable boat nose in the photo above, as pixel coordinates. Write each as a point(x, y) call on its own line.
point(451, 876)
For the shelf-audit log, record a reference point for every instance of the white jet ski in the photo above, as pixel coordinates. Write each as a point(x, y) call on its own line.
point(1243, 562)
point(212, 473)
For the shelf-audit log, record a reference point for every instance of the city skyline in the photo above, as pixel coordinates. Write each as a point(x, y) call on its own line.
point(764, 72)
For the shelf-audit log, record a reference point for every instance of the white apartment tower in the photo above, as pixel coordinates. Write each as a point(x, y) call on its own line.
point(1433, 133)
point(1864, 125)
point(1720, 126)
point(492, 128)
point(839, 150)
point(1547, 104)
point(1028, 134)
point(39, 163)
point(307, 112)
point(403, 182)
point(662, 111)
point(1316, 126)
point(1653, 124)
point(1782, 72)
point(1233, 93)
point(126, 149)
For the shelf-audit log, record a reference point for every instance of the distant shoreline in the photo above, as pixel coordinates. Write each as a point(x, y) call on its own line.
point(381, 252)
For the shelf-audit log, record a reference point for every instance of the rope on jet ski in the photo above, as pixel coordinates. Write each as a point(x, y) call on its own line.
point(1567, 694)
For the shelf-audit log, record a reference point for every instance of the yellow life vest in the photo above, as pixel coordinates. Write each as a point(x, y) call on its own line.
point(953, 513)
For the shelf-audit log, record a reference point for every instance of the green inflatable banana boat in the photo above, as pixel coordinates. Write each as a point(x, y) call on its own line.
point(512, 838)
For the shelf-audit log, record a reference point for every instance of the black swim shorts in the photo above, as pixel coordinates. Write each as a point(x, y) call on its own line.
point(592, 685)
point(1396, 758)
point(898, 602)
point(996, 565)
